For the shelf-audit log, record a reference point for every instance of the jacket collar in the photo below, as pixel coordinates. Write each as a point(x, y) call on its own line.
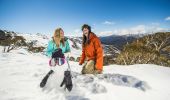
point(92, 35)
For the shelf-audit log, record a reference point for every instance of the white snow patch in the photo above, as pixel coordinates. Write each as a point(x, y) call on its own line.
point(21, 73)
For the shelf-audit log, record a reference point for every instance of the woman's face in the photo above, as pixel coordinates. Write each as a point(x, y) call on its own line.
point(85, 32)
point(62, 33)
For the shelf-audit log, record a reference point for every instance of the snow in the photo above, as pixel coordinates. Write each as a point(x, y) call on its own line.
point(75, 52)
point(42, 40)
point(38, 39)
point(21, 73)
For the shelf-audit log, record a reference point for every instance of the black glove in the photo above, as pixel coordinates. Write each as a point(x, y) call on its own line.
point(67, 81)
point(58, 53)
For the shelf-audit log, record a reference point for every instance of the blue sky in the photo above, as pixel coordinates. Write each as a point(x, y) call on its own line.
point(43, 16)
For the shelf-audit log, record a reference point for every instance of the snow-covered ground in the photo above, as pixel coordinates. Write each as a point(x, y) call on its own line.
point(21, 73)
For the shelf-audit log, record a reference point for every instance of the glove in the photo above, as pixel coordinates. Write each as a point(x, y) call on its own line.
point(58, 53)
point(67, 81)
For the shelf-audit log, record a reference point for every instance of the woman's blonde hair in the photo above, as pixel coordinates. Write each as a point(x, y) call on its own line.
point(57, 35)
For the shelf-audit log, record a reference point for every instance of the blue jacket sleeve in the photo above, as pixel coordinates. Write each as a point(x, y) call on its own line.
point(68, 47)
point(49, 49)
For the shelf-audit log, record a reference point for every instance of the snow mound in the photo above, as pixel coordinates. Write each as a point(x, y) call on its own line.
point(21, 73)
point(115, 79)
point(93, 83)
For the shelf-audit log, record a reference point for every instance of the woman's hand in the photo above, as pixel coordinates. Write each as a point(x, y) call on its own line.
point(80, 64)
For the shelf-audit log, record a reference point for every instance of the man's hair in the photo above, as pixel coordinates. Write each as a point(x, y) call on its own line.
point(86, 26)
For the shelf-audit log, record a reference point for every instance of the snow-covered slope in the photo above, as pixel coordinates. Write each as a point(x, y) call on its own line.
point(21, 73)
point(42, 40)
point(37, 39)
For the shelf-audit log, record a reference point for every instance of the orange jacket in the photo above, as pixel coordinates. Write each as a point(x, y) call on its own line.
point(93, 51)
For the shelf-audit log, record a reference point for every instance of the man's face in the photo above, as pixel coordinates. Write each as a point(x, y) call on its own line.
point(85, 32)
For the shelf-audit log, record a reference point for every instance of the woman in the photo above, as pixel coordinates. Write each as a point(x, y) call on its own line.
point(60, 45)
point(92, 52)
point(58, 41)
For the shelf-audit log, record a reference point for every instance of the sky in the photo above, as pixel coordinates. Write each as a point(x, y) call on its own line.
point(106, 17)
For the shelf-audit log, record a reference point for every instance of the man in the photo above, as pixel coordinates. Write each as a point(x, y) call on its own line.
point(92, 52)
